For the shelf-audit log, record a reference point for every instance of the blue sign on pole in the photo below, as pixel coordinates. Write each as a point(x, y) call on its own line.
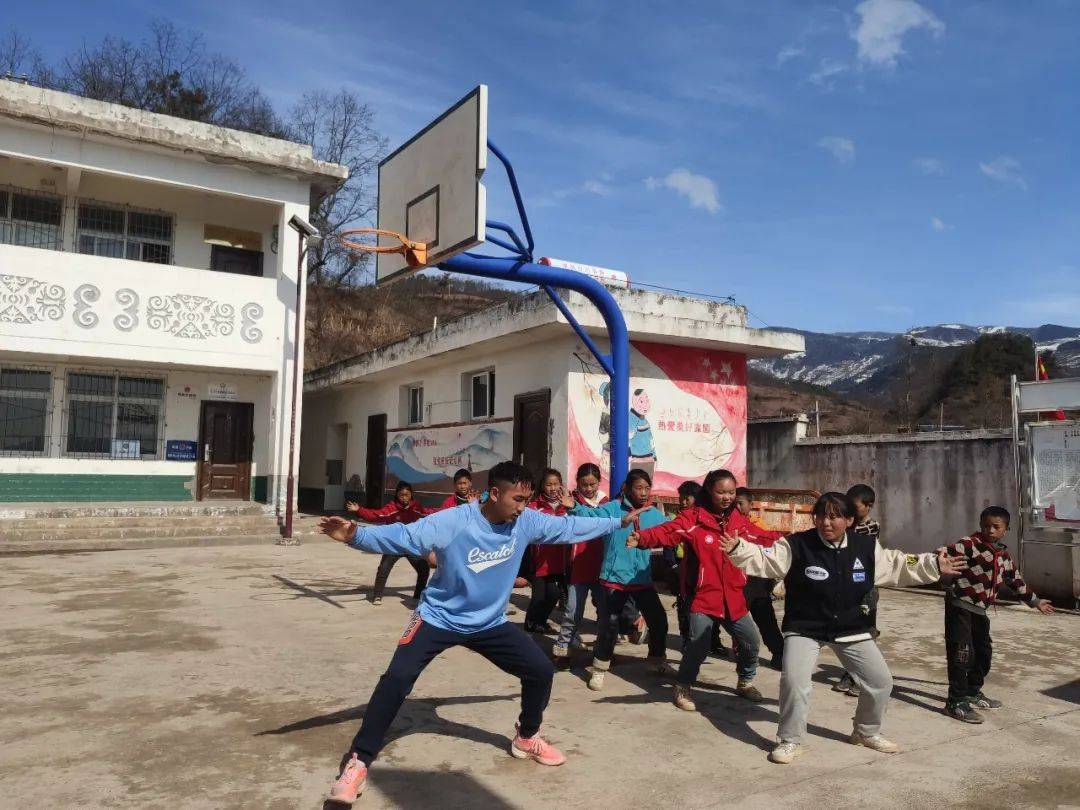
point(179, 450)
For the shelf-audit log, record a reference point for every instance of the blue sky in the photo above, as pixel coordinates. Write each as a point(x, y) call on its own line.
point(833, 166)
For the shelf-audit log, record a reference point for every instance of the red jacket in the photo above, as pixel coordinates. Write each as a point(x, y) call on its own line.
point(394, 512)
point(709, 579)
point(549, 559)
point(586, 558)
point(452, 500)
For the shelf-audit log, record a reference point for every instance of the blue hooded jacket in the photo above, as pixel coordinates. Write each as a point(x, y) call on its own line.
point(622, 565)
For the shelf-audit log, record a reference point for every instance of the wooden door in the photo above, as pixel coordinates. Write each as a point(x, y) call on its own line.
point(225, 443)
point(532, 420)
point(375, 479)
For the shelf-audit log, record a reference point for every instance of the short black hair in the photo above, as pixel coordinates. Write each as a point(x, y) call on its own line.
point(402, 486)
point(637, 475)
point(588, 468)
point(742, 492)
point(509, 474)
point(995, 512)
point(462, 473)
point(689, 489)
point(545, 473)
point(834, 504)
point(862, 493)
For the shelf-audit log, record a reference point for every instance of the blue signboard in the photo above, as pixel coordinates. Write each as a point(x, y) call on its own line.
point(177, 450)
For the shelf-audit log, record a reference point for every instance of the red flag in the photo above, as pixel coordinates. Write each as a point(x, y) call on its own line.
point(1041, 374)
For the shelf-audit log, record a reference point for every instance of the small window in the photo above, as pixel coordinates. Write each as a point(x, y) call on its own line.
point(107, 414)
point(483, 394)
point(122, 233)
point(30, 218)
point(236, 260)
point(24, 411)
point(416, 404)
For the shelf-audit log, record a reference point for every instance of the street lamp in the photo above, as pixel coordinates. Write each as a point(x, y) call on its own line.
point(309, 238)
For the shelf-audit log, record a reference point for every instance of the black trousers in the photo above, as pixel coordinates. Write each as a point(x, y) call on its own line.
point(506, 646)
point(968, 650)
point(758, 593)
point(387, 564)
point(546, 592)
point(648, 602)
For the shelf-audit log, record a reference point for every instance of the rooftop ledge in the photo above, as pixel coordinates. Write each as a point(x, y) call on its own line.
point(51, 108)
point(650, 316)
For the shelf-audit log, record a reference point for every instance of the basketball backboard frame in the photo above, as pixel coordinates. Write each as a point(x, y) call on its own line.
point(430, 188)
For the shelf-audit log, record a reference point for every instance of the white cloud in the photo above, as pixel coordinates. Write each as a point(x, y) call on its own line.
point(787, 54)
point(882, 26)
point(1004, 169)
point(827, 71)
point(939, 224)
point(929, 165)
point(600, 186)
point(700, 191)
point(843, 149)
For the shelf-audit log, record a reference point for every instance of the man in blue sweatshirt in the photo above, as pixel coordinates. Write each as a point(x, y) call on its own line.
point(478, 548)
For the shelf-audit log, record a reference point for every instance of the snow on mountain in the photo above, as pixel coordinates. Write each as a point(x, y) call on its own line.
point(843, 361)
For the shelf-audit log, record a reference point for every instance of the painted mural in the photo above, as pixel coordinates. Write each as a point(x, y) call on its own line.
point(428, 457)
point(687, 413)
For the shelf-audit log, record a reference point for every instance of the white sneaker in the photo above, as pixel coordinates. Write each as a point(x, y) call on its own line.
point(785, 753)
point(596, 680)
point(876, 741)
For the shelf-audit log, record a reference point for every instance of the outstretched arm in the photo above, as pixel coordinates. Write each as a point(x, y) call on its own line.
point(768, 562)
point(414, 539)
point(895, 567)
point(547, 529)
point(666, 535)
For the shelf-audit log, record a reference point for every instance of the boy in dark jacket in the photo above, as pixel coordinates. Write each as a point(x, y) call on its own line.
point(986, 566)
point(863, 498)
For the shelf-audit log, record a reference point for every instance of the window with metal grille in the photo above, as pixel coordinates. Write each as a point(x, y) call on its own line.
point(24, 411)
point(113, 415)
point(31, 218)
point(124, 233)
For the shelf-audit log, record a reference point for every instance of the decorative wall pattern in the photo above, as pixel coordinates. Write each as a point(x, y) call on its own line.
point(28, 300)
point(190, 316)
point(85, 297)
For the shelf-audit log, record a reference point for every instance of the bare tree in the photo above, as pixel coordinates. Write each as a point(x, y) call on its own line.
point(16, 54)
point(340, 129)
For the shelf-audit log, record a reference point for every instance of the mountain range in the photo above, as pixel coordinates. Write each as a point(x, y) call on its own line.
point(870, 363)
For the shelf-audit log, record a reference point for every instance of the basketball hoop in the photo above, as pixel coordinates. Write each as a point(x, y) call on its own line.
point(415, 253)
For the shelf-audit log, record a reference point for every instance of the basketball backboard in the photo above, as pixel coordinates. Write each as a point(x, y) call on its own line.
point(430, 189)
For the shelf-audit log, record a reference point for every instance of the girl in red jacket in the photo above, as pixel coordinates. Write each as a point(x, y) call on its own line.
point(585, 559)
point(550, 562)
point(711, 585)
point(403, 509)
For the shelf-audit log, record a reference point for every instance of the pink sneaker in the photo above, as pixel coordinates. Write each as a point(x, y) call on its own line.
point(536, 748)
point(350, 784)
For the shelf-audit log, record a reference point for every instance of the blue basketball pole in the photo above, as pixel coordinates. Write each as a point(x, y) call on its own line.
point(520, 267)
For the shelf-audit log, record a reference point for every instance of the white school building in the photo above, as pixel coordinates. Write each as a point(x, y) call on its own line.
point(515, 382)
point(147, 302)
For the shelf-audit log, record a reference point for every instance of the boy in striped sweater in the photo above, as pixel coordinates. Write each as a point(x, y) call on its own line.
point(987, 566)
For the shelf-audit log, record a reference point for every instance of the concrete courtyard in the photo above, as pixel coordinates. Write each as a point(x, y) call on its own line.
point(235, 677)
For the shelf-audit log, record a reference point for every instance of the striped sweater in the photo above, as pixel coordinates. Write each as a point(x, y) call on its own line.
point(988, 567)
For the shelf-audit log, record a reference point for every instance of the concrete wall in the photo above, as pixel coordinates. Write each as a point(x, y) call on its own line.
point(930, 487)
point(63, 308)
point(518, 370)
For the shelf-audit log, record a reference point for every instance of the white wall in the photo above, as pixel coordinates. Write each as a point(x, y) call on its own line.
point(517, 371)
point(184, 395)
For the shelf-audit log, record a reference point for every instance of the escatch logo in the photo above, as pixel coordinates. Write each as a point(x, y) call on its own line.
point(480, 560)
point(814, 572)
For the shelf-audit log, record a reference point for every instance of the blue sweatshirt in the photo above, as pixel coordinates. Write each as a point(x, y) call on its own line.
point(622, 565)
point(478, 560)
